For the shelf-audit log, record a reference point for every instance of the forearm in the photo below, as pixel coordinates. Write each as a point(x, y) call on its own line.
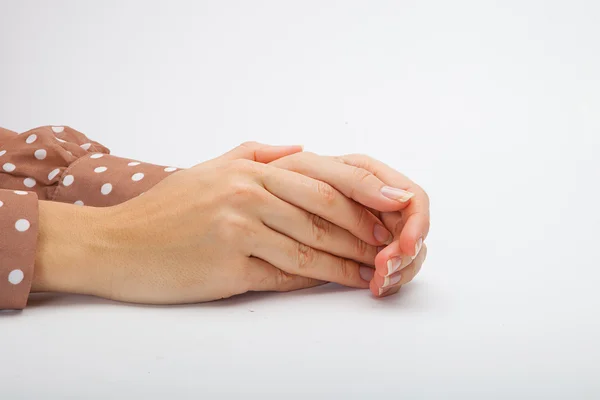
point(69, 251)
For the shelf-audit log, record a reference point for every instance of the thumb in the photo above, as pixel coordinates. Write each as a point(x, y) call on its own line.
point(262, 153)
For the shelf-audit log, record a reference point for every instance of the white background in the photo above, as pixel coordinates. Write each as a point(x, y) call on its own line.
point(493, 107)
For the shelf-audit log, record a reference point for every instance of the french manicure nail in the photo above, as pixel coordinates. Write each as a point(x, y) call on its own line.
point(391, 280)
point(381, 234)
point(418, 247)
point(393, 264)
point(383, 290)
point(366, 273)
point(396, 194)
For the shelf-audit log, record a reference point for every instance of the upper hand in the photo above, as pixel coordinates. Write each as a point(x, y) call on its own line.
point(408, 223)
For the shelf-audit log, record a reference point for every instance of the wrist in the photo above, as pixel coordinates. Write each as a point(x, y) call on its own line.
point(69, 251)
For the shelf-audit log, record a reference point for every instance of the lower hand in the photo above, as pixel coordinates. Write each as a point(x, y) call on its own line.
point(218, 229)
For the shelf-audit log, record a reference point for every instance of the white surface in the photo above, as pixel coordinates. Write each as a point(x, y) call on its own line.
point(492, 106)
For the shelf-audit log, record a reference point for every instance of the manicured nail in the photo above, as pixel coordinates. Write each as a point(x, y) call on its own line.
point(366, 273)
point(418, 247)
point(418, 268)
point(391, 280)
point(393, 264)
point(383, 290)
point(382, 235)
point(396, 194)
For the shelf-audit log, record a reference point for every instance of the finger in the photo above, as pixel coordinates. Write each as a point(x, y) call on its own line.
point(314, 231)
point(391, 258)
point(265, 277)
point(416, 213)
point(299, 259)
point(323, 200)
point(354, 182)
point(259, 152)
point(384, 285)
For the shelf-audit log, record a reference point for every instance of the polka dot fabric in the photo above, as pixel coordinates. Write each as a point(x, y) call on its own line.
point(55, 163)
point(18, 238)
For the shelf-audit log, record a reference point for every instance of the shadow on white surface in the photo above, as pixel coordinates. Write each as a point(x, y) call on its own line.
point(405, 297)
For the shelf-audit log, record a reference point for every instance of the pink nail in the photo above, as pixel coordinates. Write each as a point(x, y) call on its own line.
point(418, 247)
point(366, 273)
point(396, 194)
point(391, 280)
point(381, 234)
point(393, 264)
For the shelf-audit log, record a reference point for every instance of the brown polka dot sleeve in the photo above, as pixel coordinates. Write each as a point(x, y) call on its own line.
point(55, 163)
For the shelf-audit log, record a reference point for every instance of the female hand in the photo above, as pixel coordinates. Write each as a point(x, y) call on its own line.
point(401, 260)
point(228, 226)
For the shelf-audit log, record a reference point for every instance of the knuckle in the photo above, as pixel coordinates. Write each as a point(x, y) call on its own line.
point(361, 247)
point(361, 159)
point(327, 192)
point(231, 227)
point(250, 144)
point(361, 216)
point(320, 227)
point(346, 269)
point(305, 256)
point(360, 178)
point(282, 278)
point(242, 165)
point(361, 174)
point(245, 192)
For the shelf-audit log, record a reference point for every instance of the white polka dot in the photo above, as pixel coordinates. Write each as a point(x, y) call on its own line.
point(100, 169)
point(29, 182)
point(170, 169)
point(20, 192)
point(22, 225)
point(58, 129)
point(53, 174)
point(97, 155)
point(60, 140)
point(40, 154)
point(78, 203)
point(106, 189)
point(31, 138)
point(68, 180)
point(133, 163)
point(137, 177)
point(3, 152)
point(8, 167)
point(1, 203)
point(85, 146)
point(16, 276)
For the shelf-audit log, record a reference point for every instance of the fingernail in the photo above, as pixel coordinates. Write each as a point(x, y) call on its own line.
point(391, 280)
point(418, 268)
point(366, 273)
point(381, 234)
point(418, 247)
point(396, 194)
point(393, 264)
point(383, 290)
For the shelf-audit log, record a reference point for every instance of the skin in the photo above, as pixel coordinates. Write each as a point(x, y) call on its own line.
point(259, 218)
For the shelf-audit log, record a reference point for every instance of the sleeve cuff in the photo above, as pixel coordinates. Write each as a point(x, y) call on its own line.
point(102, 180)
point(18, 240)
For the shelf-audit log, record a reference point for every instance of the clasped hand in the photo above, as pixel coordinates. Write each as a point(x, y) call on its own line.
point(263, 218)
